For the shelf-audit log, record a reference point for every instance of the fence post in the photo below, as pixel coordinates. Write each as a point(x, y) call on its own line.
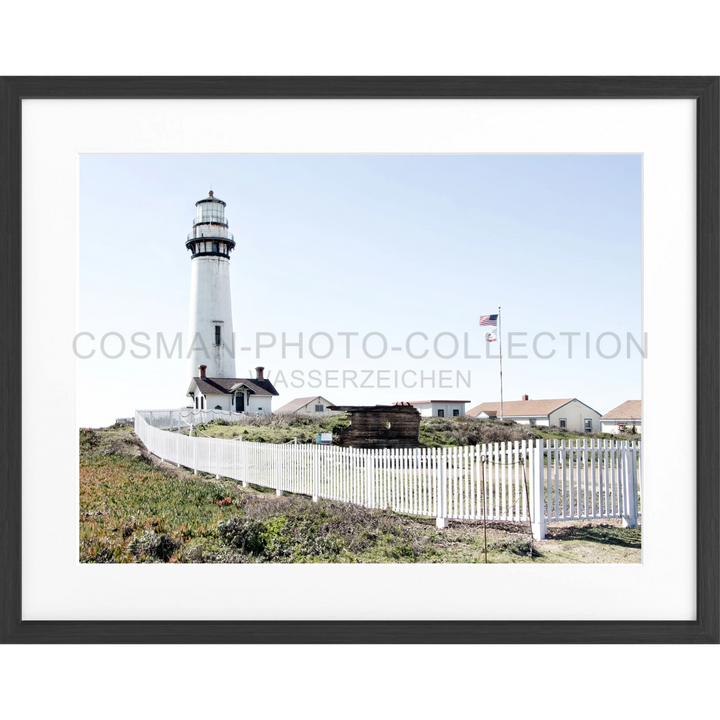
point(638, 445)
point(537, 492)
point(194, 447)
point(631, 494)
point(246, 464)
point(442, 520)
point(278, 470)
point(316, 473)
point(369, 479)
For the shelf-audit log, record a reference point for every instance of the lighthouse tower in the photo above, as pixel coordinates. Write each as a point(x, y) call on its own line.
point(211, 328)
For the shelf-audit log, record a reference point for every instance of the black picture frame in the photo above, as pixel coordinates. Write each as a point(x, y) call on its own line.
point(705, 92)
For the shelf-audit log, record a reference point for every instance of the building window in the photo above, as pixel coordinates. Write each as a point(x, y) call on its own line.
point(202, 403)
point(588, 424)
point(319, 408)
point(196, 402)
point(456, 413)
point(217, 334)
point(441, 413)
point(533, 421)
point(563, 423)
point(217, 407)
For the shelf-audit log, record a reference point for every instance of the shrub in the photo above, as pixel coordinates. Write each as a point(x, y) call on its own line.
point(153, 546)
point(88, 439)
point(467, 430)
point(245, 534)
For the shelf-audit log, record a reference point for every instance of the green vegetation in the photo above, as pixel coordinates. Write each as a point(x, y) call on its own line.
point(135, 509)
point(466, 430)
point(275, 428)
point(125, 502)
point(434, 432)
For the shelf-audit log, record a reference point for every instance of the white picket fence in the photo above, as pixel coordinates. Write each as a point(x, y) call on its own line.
point(524, 481)
point(183, 417)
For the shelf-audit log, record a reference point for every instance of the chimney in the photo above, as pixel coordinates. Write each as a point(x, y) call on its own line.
point(259, 371)
point(525, 397)
point(202, 369)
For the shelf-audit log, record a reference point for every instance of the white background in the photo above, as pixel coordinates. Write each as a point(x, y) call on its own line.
point(56, 586)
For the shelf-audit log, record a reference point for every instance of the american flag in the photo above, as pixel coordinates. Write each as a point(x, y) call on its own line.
point(488, 320)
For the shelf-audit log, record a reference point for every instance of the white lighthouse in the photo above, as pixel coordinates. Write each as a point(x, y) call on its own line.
point(213, 385)
point(211, 327)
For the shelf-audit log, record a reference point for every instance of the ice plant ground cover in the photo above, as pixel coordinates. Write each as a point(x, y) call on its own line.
point(135, 509)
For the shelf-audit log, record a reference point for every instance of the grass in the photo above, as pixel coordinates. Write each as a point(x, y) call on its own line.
point(434, 432)
point(135, 509)
point(124, 498)
point(275, 428)
point(606, 535)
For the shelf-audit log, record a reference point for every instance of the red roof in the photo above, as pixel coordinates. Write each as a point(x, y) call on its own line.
point(425, 402)
point(629, 410)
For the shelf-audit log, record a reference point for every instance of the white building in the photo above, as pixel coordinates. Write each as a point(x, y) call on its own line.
point(243, 395)
point(312, 406)
point(439, 408)
point(567, 413)
point(624, 417)
point(212, 345)
point(211, 339)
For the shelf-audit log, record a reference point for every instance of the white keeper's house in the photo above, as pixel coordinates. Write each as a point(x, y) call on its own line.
point(212, 341)
point(439, 408)
point(565, 413)
point(624, 417)
point(242, 395)
point(315, 405)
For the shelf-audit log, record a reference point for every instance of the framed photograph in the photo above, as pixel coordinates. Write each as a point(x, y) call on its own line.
point(360, 360)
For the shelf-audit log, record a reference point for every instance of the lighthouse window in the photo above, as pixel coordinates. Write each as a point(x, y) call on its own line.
point(215, 247)
point(217, 334)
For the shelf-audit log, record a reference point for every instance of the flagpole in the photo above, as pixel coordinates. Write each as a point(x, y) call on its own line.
point(502, 417)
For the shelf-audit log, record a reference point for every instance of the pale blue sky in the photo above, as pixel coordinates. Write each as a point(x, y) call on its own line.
point(362, 243)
